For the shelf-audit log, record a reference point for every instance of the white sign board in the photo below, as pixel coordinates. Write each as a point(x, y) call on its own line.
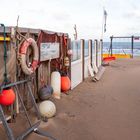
point(49, 51)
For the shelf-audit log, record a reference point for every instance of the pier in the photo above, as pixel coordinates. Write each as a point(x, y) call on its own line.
point(105, 110)
point(102, 98)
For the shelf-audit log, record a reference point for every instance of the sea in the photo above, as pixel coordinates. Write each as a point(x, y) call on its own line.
point(117, 48)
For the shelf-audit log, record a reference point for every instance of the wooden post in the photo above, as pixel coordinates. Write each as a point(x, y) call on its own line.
point(132, 45)
point(90, 51)
point(96, 51)
point(99, 53)
point(69, 47)
point(101, 45)
point(83, 58)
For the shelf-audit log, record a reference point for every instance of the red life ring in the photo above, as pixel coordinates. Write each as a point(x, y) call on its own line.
point(22, 52)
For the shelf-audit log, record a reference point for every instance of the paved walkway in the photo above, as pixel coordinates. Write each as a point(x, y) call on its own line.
point(106, 110)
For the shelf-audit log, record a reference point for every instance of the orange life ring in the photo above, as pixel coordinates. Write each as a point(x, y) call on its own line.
point(22, 52)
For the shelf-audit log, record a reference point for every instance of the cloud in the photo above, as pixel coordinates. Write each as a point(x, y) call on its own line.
point(123, 15)
point(61, 16)
point(133, 14)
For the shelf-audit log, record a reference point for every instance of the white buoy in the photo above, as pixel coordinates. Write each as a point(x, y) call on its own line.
point(47, 109)
point(56, 84)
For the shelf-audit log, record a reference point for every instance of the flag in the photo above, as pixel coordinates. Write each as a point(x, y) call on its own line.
point(105, 18)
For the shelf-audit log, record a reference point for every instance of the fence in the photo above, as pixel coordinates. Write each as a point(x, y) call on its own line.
point(127, 46)
point(85, 53)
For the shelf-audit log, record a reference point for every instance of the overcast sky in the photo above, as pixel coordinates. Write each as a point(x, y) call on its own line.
point(61, 15)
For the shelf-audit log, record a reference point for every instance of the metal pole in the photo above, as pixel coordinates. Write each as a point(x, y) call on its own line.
point(6, 126)
point(33, 101)
point(132, 45)
point(101, 45)
point(111, 39)
point(22, 103)
point(13, 84)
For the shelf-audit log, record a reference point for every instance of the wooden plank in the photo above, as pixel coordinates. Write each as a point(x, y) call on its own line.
point(100, 73)
point(95, 67)
point(91, 71)
point(83, 58)
point(32, 31)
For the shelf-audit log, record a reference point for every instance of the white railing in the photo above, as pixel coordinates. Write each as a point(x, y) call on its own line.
point(79, 68)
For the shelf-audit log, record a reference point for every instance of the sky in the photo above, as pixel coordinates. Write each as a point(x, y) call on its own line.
point(123, 16)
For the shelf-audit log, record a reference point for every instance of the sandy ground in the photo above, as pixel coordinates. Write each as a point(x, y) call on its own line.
point(105, 110)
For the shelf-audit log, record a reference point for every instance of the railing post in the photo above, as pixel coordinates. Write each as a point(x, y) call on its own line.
point(83, 58)
point(96, 51)
point(132, 45)
point(90, 51)
point(101, 43)
point(110, 50)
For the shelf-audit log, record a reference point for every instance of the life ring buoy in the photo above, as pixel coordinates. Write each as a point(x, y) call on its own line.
point(22, 52)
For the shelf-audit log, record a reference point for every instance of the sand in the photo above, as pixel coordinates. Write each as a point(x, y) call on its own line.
point(105, 110)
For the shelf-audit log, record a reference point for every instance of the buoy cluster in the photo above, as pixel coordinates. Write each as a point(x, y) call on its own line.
point(58, 83)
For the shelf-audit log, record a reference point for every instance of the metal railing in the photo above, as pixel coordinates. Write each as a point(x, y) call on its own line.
point(128, 45)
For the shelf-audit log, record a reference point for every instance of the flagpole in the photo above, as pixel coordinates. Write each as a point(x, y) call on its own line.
point(102, 34)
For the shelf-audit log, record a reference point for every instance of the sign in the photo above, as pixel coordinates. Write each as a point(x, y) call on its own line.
point(136, 38)
point(49, 51)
